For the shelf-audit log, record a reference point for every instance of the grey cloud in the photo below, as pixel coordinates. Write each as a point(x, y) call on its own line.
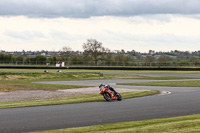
point(89, 8)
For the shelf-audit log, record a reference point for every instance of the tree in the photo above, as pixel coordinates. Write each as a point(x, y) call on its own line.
point(40, 59)
point(51, 60)
point(66, 53)
point(107, 56)
point(7, 58)
point(164, 60)
point(1, 57)
point(94, 48)
point(122, 59)
point(30, 60)
point(183, 63)
point(19, 58)
point(149, 60)
point(77, 60)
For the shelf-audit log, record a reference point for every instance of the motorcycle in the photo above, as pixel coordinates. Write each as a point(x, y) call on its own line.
point(109, 93)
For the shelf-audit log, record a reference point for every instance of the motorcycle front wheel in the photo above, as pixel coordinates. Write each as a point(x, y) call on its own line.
point(107, 96)
point(119, 97)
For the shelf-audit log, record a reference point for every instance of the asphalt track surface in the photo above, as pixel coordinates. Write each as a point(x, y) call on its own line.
point(182, 101)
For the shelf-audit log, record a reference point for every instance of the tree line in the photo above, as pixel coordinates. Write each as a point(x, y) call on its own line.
point(95, 54)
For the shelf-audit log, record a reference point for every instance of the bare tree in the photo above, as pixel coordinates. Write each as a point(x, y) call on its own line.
point(149, 60)
point(94, 48)
point(164, 60)
point(66, 53)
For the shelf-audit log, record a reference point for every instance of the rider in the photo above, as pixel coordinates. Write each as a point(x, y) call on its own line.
point(108, 87)
point(101, 86)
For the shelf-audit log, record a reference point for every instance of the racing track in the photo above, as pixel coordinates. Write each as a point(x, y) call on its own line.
point(182, 101)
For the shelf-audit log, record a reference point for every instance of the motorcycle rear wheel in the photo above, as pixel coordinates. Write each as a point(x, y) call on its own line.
point(107, 96)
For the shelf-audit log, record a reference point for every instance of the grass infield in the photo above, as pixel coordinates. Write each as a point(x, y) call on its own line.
point(11, 81)
point(184, 124)
point(193, 83)
point(101, 71)
point(73, 100)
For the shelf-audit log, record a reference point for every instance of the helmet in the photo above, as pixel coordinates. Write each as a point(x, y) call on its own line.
point(101, 85)
point(107, 86)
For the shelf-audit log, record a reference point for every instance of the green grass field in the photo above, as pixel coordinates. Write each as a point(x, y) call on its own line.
point(155, 78)
point(4, 88)
point(195, 83)
point(24, 80)
point(102, 71)
point(184, 124)
point(13, 81)
point(73, 100)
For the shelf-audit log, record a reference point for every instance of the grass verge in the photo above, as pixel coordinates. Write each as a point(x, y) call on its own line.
point(184, 124)
point(72, 100)
point(136, 77)
point(24, 80)
point(7, 89)
point(194, 83)
point(102, 71)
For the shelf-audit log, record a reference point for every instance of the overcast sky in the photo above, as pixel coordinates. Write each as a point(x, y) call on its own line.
point(140, 25)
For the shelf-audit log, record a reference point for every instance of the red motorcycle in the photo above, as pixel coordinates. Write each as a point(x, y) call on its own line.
point(109, 93)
